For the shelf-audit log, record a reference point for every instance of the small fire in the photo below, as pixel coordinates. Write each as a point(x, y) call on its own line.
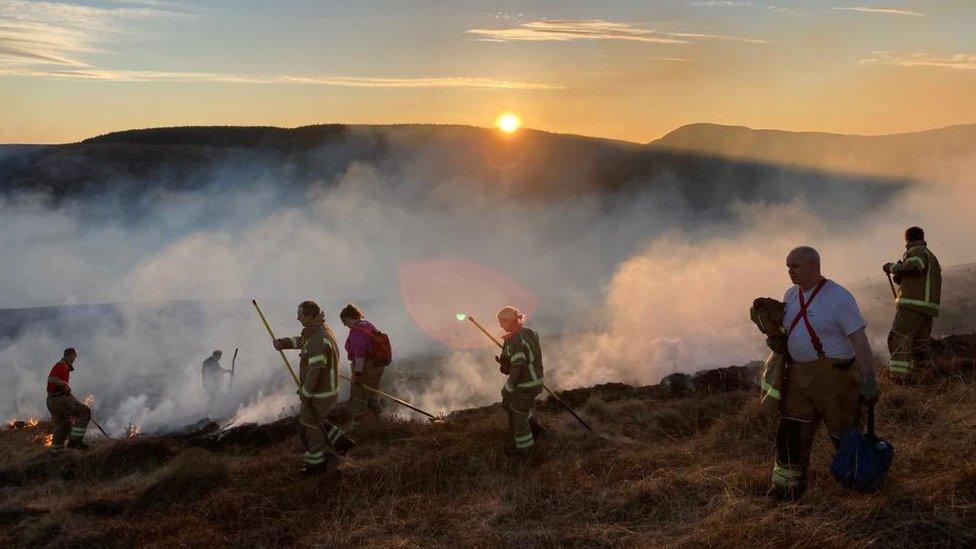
point(46, 440)
point(11, 424)
point(89, 399)
point(132, 431)
point(32, 422)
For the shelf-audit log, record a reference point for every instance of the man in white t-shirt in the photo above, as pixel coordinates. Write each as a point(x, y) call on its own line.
point(831, 368)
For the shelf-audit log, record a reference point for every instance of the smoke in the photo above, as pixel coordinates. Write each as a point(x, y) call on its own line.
point(630, 285)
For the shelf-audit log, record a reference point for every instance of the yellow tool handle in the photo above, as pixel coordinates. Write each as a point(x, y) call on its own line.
point(271, 333)
point(486, 332)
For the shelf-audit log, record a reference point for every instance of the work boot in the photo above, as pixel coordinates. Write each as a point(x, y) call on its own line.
point(343, 444)
point(374, 406)
point(786, 494)
point(317, 468)
point(77, 444)
point(537, 429)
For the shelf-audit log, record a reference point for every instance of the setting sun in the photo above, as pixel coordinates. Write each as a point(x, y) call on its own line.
point(508, 122)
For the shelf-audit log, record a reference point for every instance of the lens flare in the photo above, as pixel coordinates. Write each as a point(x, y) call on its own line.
point(461, 317)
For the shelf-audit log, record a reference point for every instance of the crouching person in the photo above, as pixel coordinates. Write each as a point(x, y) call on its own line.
point(521, 361)
point(319, 389)
point(831, 369)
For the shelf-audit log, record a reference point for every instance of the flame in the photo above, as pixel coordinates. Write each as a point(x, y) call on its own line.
point(132, 431)
point(89, 399)
point(48, 440)
point(11, 424)
point(32, 422)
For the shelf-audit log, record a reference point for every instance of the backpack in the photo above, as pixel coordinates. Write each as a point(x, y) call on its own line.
point(381, 352)
point(862, 461)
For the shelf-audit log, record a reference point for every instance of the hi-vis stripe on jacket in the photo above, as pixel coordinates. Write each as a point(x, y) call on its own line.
point(524, 353)
point(319, 371)
point(921, 280)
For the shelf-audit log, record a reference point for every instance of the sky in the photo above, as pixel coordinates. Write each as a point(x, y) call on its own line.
point(631, 70)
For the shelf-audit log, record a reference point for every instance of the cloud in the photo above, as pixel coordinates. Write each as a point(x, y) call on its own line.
point(719, 37)
point(53, 33)
point(723, 4)
point(567, 30)
point(959, 61)
point(671, 59)
point(880, 9)
point(109, 75)
point(50, 40)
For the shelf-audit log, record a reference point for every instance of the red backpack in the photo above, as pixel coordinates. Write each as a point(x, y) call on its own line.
point(381, 352)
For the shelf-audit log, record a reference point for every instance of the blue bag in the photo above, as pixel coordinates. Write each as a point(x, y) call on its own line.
point(862, 461)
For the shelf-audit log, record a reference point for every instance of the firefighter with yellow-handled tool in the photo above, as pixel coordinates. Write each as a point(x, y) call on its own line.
point(521, 361)
point(919, 279)
point(318, 387)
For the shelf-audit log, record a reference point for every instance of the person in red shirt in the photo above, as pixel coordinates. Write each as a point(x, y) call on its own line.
point(68, 415)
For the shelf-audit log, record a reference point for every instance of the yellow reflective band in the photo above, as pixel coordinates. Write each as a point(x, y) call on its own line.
point(316, 358)
point(517, 356)
point(918, 302)
point(770, 391)
point(524, 443)
point(918, 259)
point(534, 383)
point(295, 341)
point(508, 388)
point(318, 395)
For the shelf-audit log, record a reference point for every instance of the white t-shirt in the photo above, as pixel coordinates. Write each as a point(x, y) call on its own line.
point(834, 315)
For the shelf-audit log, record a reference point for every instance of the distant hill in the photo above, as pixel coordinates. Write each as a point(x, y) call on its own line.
point(530, 164)
point(908, 155)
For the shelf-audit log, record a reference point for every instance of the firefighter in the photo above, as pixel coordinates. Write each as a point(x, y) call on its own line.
point(69, 416)
point(211, 372)
point(521, 361)
point(919, 279)
point(365, 370)
point(831, 370)
point(319, 389)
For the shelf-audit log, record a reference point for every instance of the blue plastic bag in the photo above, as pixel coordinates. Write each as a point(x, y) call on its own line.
point(862, 461)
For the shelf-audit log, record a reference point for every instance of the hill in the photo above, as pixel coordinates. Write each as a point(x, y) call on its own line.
point(915, 155)
point(677, 469)
point(530, 164)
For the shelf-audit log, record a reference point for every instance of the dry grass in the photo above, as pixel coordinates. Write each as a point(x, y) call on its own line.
point(696, 477)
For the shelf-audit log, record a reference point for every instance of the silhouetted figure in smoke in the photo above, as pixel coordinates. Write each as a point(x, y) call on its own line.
point(211, 372)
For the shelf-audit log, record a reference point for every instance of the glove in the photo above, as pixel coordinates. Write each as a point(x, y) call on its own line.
point(503, 364)
point(887, 267)
point(869, 390)
point(278, 344)
point(777, 344)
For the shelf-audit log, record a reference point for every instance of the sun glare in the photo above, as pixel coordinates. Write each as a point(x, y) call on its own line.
point(508, 122)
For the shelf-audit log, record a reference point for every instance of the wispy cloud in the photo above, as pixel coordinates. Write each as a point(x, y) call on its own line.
point(958, 61)
point(56, 40)
point(106, 75)
point(699, 36)
point(670, 59)
point(881, 10)
point(566, 30)
point(55, 33)
point(723, 4)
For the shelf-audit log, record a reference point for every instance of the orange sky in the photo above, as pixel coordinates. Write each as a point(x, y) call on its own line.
point(625, 70)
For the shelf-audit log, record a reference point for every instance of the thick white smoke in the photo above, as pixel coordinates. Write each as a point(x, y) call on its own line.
point(630, 288)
